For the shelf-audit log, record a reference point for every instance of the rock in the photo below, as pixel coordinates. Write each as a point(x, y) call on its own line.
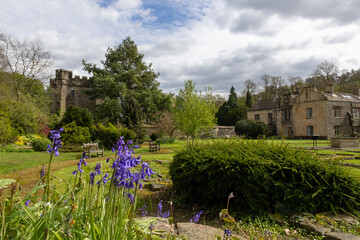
point(313, 227)
point(193, 231)
point(162, 225)
point(340, 236)
point(345, 219)
point(155, 187)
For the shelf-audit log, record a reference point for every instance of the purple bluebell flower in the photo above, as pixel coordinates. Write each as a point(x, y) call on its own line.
point(74, 172)
point(159, 210)
point(98, 169)
point(196, 217)
point(92, 177)
point(42, 172)
point(130, 197)
point(27, 202)
point(79, 167)
point(104, 179)
point(55, 136)
point(227, 233)
point(166, 214)
point(82, 160)
point(143, 210)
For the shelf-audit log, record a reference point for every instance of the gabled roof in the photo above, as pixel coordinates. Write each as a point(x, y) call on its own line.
point(346, 97)
point(264, 105)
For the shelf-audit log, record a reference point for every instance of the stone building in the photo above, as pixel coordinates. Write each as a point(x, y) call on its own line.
point(310, 112)
point(67, 90)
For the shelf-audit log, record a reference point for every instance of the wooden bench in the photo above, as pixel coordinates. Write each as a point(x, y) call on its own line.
point(90, 148)
point(153, 146)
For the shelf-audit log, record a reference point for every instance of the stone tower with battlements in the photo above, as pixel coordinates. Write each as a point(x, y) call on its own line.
point(67, 90)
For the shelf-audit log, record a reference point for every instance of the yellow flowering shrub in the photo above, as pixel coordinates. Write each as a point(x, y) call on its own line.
point(22, 140)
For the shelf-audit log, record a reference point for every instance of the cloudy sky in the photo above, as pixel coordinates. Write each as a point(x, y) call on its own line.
point(216, 43)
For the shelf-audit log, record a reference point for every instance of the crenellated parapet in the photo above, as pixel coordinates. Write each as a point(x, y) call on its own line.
point(65, 77)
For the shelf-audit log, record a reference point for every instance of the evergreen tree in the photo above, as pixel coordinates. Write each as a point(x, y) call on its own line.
point(127, 87)
point(248, 101)
point(230, 112)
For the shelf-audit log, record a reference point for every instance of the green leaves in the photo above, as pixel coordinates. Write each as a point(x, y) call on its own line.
point(127, 87)
point(264, 177)
point(194, 112)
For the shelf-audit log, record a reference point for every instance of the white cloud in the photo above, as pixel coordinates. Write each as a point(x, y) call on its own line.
point(218, 43)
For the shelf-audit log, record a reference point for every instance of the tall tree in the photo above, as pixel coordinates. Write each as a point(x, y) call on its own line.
point(232, 100)
point(231, 111)
point(248, 101)
point(194, 112)
point(26, 62)
point(325, 73)
point(126, 86)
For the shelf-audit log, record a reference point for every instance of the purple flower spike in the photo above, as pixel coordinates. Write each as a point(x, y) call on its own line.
point(196, 218)
point(98, 169)
point(27, 203)
point(92, 177)
point(55, 135)
point(227, 233)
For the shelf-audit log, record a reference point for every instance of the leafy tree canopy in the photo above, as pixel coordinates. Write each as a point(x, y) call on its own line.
point(126, 87)
point(194, 112)
point(81, 117)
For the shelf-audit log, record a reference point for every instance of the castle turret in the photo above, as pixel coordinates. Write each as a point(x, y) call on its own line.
point(68, 90)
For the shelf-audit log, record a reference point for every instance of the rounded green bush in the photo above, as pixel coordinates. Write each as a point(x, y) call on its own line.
point(109, 135)
point(250, 128)
point(40, 144)
point(264, 177)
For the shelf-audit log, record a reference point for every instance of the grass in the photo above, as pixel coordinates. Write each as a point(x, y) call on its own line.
point(159, 162)
point(15, 161)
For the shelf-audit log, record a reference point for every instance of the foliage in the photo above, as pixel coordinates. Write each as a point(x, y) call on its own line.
point(165, 140)
point(165, 124)
point(154, 136)
point(248, 101)
point(15, 148)
point(22, 140)
point(230, 111)
point(103, 199)
point(75, 135)
point(194, 112)
point(265, 177)
point(26, 61)
point(40, 144)
point(127, 86)
point(25, 116)
point(7, 133)
point(110, 134)
point(81, 117)
point(250, 128)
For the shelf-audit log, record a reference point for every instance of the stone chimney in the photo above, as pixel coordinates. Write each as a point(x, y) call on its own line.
point(329, 88)
point(357, 90)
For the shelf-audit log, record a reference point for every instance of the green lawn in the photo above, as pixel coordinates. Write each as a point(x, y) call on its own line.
point(15, 161)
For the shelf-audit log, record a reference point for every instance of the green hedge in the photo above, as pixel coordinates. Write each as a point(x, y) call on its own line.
point(109, 135)
point(40, 144)
point(263, 177)
point(250, 128)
